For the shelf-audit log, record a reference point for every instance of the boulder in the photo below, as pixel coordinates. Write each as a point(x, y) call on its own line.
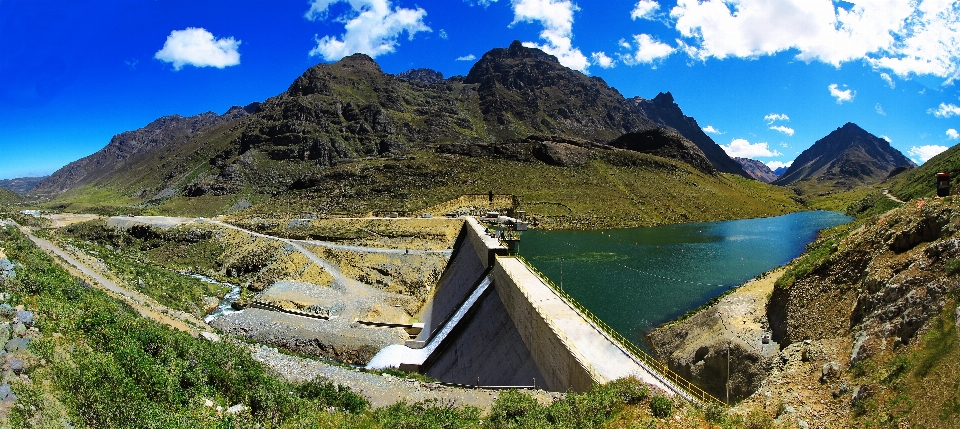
point(25, 317)
point(15, 364)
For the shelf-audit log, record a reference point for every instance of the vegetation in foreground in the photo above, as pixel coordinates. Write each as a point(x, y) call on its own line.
point(98, 364)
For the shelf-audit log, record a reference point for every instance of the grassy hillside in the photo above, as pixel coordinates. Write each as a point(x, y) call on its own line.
point(615, 188)
point(8, 197)
point(921, 181)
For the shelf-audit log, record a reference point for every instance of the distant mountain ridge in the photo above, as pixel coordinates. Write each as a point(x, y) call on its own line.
point(127, 149)
point(847, 157)
point(21, 185)
point(757, 169)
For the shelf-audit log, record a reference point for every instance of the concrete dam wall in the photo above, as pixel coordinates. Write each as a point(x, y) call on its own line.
point(494, 322)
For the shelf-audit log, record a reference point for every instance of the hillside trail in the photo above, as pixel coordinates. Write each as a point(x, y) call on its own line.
point(890, 196)
point(144, 305)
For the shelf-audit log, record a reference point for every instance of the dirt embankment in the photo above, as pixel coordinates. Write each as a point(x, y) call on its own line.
point(724, 341)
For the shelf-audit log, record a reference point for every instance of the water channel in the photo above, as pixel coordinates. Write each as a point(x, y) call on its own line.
point(637, 278)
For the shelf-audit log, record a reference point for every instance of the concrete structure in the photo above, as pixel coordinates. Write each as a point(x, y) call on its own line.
point(494, 322)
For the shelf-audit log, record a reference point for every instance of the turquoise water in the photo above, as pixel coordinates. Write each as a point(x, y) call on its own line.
point(635, 279)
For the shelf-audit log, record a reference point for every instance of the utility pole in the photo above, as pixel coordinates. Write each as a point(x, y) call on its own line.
point(728, 371)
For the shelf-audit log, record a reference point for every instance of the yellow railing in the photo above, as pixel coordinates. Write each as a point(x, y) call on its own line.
point(691, 389)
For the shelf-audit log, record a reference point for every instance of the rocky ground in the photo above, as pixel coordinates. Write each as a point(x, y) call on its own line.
point(729, 334)
point(801, 385)
point(380, 389)
point(338, 339)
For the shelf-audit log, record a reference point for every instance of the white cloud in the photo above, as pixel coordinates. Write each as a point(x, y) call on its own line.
point(784, 145)
point(483, 3)
point(773, 117)
point(889, 80)
point(644, 9)
point(879, 109)
point(601, 59)
point(469, 57)
point(841, 94)
point(711, 130)
point(777, 164)
point(744, 149)
point(556, 16)
point(443, 34)
point(926, 152)
point(945, 110)
point(904, 37)
point(786, 130)
point(953, 134)
point(888, 139)
point(371, 27)
point(197, 47)
point(647, 51)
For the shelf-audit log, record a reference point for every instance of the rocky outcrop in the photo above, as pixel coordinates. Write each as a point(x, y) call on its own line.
point(667, 144)
point(879, 285)
point(724, 342)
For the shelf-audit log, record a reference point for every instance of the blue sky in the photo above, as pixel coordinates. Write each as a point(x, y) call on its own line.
point(765, 78)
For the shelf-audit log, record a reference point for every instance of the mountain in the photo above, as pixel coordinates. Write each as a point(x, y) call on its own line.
point(666, 113)
point(844, 159)
point(20, 185)
point(525, 91)
point(921, 181)
point(779, 172)
point(347, 138)
point(757, 170)
point(127, 150)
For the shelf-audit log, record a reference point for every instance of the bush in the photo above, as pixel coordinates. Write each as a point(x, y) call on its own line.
point(661, 407)
point(431, 414)
point(511, 407)
point(952, 267)
point(328, 394)
point(715, 413)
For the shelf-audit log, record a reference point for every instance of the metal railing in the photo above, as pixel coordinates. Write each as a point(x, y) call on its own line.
point(650, 362)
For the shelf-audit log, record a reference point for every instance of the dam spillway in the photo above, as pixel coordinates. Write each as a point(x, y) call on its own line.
point(493, 321)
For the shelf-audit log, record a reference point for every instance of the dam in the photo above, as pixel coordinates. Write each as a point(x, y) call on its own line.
point(494, 321)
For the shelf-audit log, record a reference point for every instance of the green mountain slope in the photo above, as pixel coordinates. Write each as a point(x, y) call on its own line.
point(921, 181)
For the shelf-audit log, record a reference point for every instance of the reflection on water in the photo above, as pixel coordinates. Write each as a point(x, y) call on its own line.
point(637, 278)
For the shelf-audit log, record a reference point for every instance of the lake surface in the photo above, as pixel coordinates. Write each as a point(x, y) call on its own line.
point(637, 278)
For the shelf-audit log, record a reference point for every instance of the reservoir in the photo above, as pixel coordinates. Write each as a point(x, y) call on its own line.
point(637, 278)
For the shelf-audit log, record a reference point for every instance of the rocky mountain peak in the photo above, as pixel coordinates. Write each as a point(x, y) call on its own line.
point(421, 75)
point(847, 157)
point(664, 111)
point(664, 99)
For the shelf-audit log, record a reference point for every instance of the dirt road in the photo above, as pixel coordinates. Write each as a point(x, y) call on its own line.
point(145, 305)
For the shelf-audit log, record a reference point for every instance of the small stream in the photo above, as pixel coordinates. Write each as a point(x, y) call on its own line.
point(226, 303)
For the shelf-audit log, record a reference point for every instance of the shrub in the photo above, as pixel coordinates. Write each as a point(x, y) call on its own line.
point(328, 394)
point(661, 407)
point(511, 407)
